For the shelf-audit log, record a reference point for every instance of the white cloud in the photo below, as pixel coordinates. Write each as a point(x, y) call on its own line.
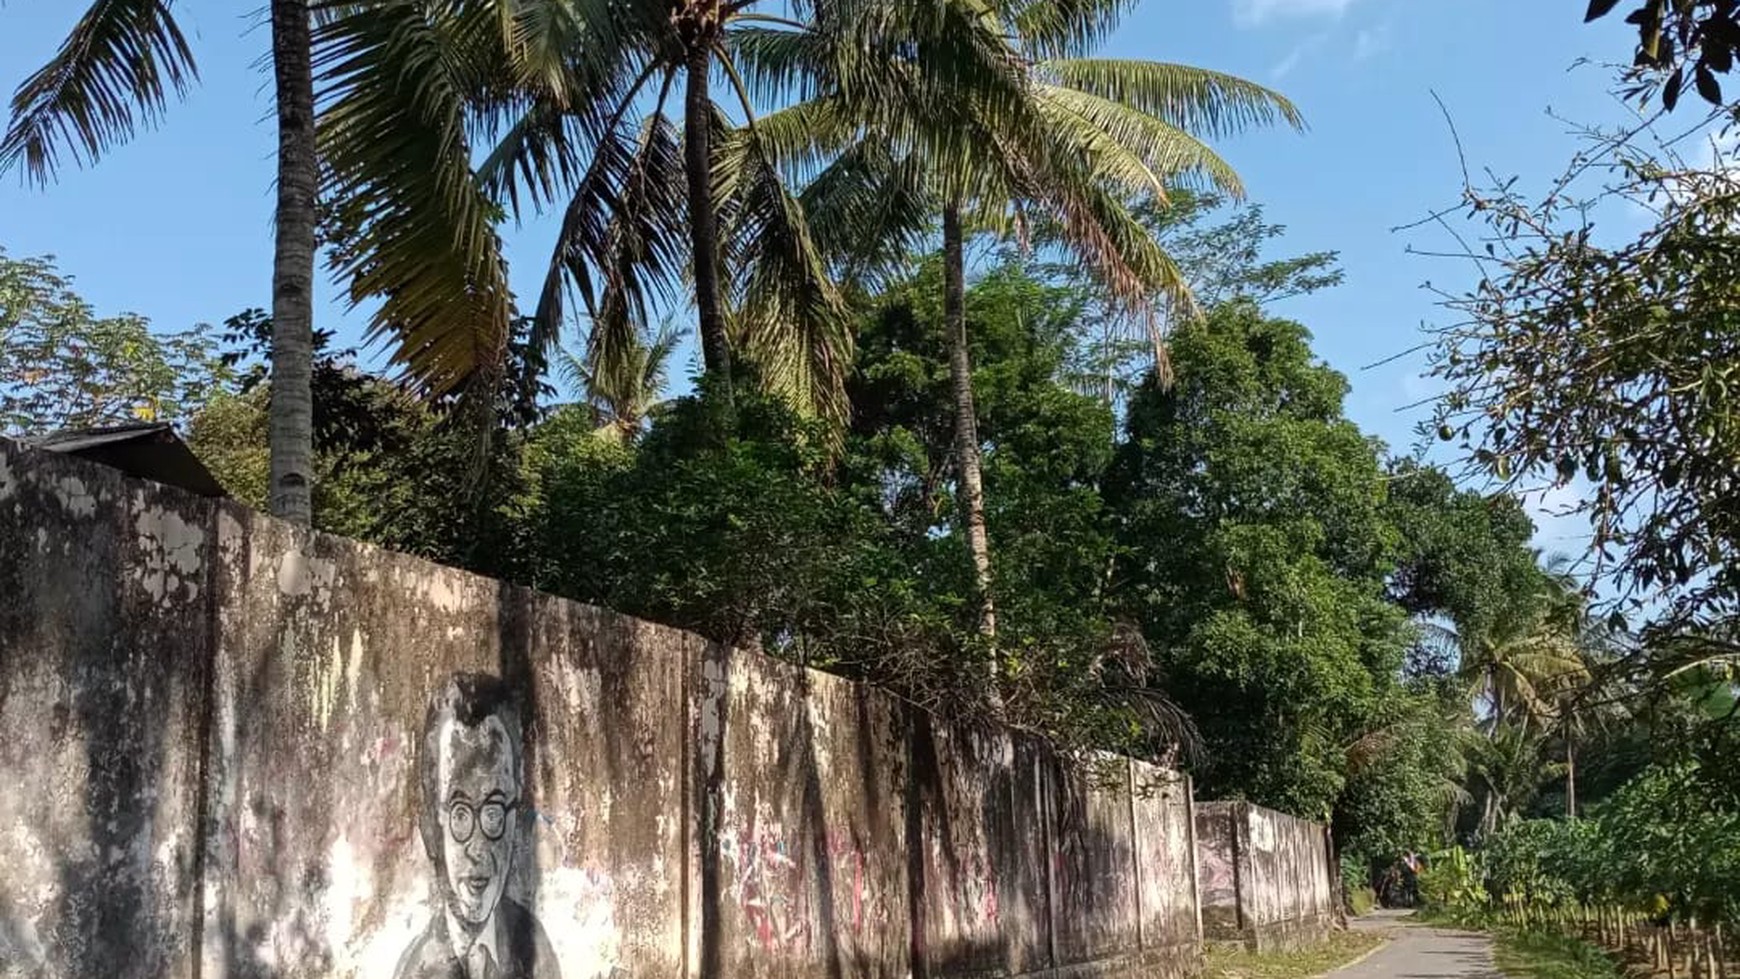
point(1252, 13)
point(1371, 41)
point(1285, 66)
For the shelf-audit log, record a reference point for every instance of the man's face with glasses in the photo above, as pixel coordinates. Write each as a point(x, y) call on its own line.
point(478, 796)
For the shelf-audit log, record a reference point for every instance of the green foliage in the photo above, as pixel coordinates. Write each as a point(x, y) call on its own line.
point(1229, 260)
point(1222, 251)
point(1687, 43)
point(1254, 553)
point(719, 523)
point(1526, 863)
point(1658, 846)
point(1669, 837)
point(1593, 360)
point(1463, 555)
point(389, 468)
point(1403, 788)
point(1453, 880)
point(1355, 871)
point(1542, 954)
point(746, 526)
point(62, 366)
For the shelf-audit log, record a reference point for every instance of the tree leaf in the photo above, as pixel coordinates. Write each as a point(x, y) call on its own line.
point(1708, 87)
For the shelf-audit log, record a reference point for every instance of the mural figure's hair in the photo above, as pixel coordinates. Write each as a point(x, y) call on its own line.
point(470, 699)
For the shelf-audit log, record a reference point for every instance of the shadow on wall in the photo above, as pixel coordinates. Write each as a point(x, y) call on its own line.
point(231, 714)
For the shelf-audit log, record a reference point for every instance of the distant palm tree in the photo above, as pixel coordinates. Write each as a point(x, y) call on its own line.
point(113, 73)
point(624, 391)
point(1510, 766)
point(1528, 659)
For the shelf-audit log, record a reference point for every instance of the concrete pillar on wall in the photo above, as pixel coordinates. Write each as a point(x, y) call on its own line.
point(1195, 864)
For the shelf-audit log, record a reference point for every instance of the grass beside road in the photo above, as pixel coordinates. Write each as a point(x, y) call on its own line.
point(1543, 955)
point(1341, 948)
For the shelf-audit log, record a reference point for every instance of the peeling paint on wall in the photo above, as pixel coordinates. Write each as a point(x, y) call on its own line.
point(74, 498)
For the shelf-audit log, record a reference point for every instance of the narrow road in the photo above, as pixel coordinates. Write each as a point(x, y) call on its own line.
point(1419, 952)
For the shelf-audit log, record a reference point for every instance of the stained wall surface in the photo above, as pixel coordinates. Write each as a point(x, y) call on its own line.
point(222, 761)
point(1266, 877)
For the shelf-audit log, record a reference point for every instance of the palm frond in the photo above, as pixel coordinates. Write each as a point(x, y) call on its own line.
point(111, 75)
point(539, 151)
point(1063, 28)
point(1132, 265)
point(804, 138)
point(1210, 104)
point(413, 228)
point(641, 254)
point(1140, 151)
point(791, 320)
point(575, 53)
point(868, 212)
point(778, 64)
point(572, 371)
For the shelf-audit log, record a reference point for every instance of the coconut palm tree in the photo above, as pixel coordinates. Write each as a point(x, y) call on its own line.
point(113, 74)
point(1041, 132)
point(1509, 766)
point(605, 110)
point(1528, 661)
point(624, 397)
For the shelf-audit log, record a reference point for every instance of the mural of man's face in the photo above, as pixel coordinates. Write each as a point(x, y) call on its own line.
point(478, 792)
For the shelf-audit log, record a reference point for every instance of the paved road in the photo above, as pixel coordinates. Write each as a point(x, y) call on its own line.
point(1418, 952)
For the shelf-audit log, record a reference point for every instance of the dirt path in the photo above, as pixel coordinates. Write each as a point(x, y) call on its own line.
point(1419, 952)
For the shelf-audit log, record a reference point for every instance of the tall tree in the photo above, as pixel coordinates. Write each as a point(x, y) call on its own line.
point(114, 73)
point(1041, 131)
point(1255, 552)
point(62, 366)
point(292, 436)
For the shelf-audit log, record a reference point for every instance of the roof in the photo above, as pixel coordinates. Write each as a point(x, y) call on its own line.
point(148, 450)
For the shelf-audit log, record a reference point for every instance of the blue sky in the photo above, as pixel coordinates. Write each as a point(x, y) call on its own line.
point(176, 225)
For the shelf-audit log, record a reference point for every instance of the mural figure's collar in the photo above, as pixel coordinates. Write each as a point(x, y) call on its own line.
point(459, 940)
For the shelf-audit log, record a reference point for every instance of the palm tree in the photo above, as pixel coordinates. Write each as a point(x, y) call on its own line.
point(1510, 765)
point(114, 73)
point(575, 100)
point(624, 392)
point(1530, 665)
point(1036, 132)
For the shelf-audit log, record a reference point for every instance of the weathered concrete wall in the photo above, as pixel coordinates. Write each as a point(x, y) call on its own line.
point(106, 632)
point(803, 866)
point(236, 749)
point(1266, 877)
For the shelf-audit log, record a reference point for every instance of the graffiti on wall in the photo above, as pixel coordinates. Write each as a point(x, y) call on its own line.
point(1216, 868)
point(970, 880)
point(471, 771)
point(770, 871)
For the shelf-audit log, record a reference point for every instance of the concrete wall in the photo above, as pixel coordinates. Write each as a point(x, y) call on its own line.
point(1267, 879)
point(212, 733)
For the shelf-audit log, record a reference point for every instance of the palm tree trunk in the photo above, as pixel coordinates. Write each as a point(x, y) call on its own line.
point(292, 406)
point(1570, 779)
point(703, 218)
point(972, 488)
